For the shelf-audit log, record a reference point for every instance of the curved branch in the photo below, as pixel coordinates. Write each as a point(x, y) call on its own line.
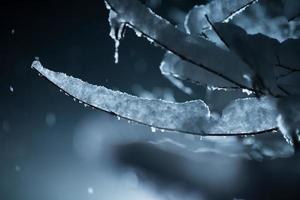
point(190, 117)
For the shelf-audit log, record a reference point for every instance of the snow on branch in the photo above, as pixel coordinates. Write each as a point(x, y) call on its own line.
point(247, 116)
point(196, 50)
point(218, 11)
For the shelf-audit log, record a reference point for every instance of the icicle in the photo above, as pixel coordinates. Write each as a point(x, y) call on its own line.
point(116, 31)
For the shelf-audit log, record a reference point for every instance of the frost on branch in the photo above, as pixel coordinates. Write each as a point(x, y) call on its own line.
point(197, 25)
point(195, 50)
point(217, 11)
point(173, 66)
point(289, 118)
point(242, 13)
point(253, 16)
point(251, 115)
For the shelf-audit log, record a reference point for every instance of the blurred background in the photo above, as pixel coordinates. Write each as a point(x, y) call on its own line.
point(54, 148)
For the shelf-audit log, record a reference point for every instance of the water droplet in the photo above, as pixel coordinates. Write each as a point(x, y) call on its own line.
point(11, 88)
point(12, 31)
point(17, 168)
point(50, 119)
point(90, 190)
point(74, 99)
point(6, 126)
point(85, 105)
point(153, 129)
point(118, 117)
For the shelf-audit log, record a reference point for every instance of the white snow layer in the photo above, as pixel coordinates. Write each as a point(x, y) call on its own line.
point(242, 116)
point(196, 50)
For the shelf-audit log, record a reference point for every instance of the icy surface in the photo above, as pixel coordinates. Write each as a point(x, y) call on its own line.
point(243, 116)
point(196, 50)
point(248, 114)
point(174, 66)
point(289, 118)
point(270, 23)
point(217, 11)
